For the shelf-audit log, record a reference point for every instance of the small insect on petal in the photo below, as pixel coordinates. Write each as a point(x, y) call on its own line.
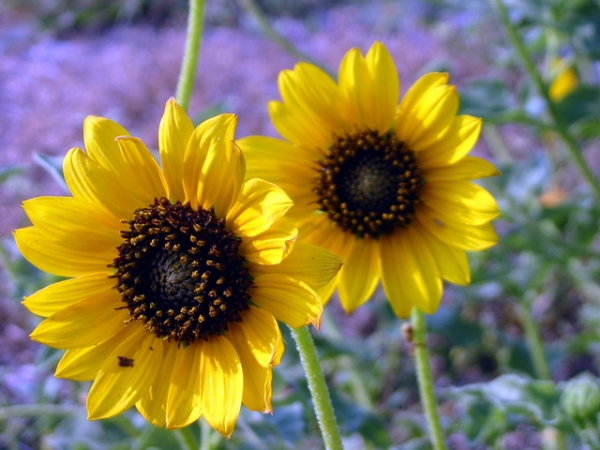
point(125, 362)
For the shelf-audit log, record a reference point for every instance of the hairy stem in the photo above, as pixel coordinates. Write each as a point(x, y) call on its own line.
point(318, 388)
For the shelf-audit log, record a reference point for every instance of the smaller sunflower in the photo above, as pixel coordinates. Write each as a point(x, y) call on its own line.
point(176, 275)
point(386, 186)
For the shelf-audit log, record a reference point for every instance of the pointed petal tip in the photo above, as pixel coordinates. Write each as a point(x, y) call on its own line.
point(317, 322)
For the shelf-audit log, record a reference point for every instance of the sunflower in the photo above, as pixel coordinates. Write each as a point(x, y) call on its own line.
point(386, 187)
point(176, 275)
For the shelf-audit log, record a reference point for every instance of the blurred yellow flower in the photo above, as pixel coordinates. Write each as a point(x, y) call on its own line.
point(564, 82)
point(386, 187)
point(178, 274)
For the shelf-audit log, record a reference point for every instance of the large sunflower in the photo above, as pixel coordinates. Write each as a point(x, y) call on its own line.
point(178, 274)
point(385, 186)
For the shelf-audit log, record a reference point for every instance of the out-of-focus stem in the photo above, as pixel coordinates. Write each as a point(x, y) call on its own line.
point(558, 124)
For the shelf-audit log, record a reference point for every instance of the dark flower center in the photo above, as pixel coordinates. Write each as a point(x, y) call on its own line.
point(368, 183)
point(179, 272)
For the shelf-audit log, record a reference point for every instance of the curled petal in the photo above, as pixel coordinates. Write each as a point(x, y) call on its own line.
point(259, 205)
point(211, 152)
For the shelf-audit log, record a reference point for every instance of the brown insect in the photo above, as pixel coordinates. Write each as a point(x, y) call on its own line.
point(125, 362)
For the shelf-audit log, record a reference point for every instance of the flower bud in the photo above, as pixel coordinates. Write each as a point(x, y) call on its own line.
point(581, 400)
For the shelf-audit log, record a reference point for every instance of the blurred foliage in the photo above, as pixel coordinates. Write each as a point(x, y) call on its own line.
point(508, 350)
point(64, 16)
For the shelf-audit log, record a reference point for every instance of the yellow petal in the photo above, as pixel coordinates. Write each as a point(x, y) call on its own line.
point(257, 377)
point(139, 171)
point(468, 168)
point(153, 405)
point(309, 263)
point(174, 133)
point(63, 294)
point(222, 383)
point(289, 300)
point(360, 275)
point(184, 401)
point(257, 386)
point(126, 375)
point(431, 116)
point(94, 183)
point(84, 323)
point(453, 145)
point(357, 88)
point(325, 292)
point(308, 91)
point(296, 126)
point(214, 166)
point(272, 245)
point(218, 192)
point(78, 183)
point(83, 364)
point(49, 256)
point(42, 211)
point(456, 234)
point(386, 87)
point(414, 94)
point(409, 272)
point(287, 165)
point(99, 136)
point(317, 229)
point(76, 224)
point(319, 91)
point(451, 262)
point(260, 334)
point(273, 159)
point(461, 200)
point(258, 206)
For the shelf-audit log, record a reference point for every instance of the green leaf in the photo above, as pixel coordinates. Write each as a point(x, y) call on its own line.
point(495, 408)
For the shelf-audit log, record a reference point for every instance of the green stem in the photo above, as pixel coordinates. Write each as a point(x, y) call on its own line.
point(186, 438)
point(189, 64)
point(205, 435)
point(425, 380)
point(534, 342)
point(558, 124)
point(318, 388)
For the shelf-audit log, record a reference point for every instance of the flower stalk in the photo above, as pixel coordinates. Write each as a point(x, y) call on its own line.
point(318, 388)
point(186, 438)
point(189, 65)
point(425, 380)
